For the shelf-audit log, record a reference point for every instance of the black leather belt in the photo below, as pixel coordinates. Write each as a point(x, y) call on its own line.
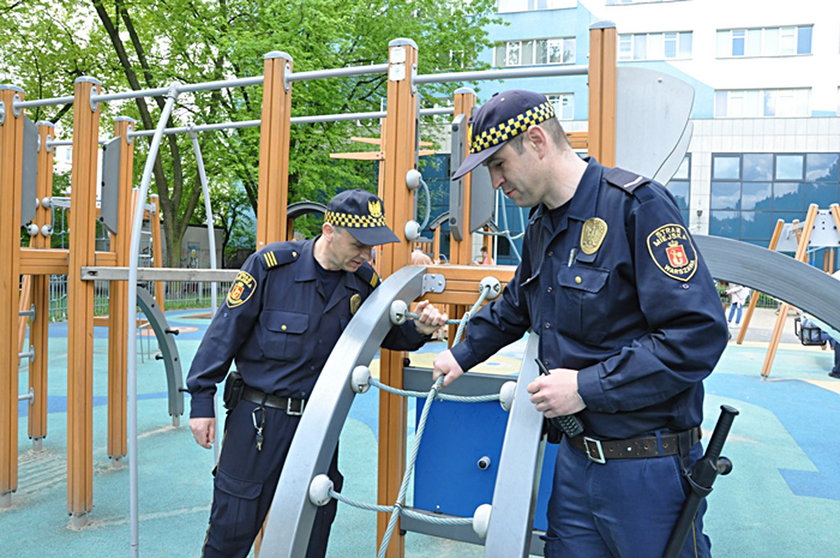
point(636, 448)
point(291, 405)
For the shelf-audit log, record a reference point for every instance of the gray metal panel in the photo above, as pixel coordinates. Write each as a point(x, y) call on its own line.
point(652, 110)
point(482, 198)
point(670, 166)
point(463, 533)
point(456, 187)
point(168, 348)
point(110, 196)
point(107, 273)
point(517, 480)
point(29, 181)
point(805, 287)
point(290, 521)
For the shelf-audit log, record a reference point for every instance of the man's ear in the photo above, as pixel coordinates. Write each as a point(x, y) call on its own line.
point(538, 138)
point(327, 231)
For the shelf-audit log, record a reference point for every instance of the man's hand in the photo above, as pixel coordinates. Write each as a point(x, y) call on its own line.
point(204, 431)
point(430, 318)
point(557, 394)
point(445, 365)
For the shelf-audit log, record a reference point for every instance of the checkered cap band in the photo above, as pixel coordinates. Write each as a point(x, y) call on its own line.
point(512, 127)
point(348, 220)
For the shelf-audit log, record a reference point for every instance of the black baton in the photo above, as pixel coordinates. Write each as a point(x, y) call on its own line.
point(701, 479)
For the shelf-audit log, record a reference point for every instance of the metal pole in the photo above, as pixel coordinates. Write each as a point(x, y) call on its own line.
point(483, 75)
point(339, 72)
point(134, 254)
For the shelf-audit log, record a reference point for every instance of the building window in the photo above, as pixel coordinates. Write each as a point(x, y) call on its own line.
point(680, 186)
point(504, 6)
point(751, 191)
point(672, 45)
point(558, 50)
point(564, 105)
point(751, 103)
point(764, 41)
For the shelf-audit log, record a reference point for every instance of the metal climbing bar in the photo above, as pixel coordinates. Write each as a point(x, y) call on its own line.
point(289, 524)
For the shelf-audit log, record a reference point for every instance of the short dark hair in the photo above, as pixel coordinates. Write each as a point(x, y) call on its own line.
point(552, 126)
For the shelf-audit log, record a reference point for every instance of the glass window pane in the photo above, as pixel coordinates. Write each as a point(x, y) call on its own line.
point(670, 45)
point(757, 195)
point(625, 49)
point(724, 223)
point(723, 43)
point(512, 53)
point(726, 166)
point(527, 53)
point(758, 166)
point(569, 51)
point(803, 41)
point(656, 50)
point(787, 40)
point(500, 55)
point(720, 104)
point(640, 47)
point(789, 167)
point(542, 52)
point(788, 197)
point(753, 47)
point(738, 42)
point(770, 46)
point(822, 167)
point(820, 193)
point(757, 226)
point(679, 189)
point(726, 195)
point(683, 170)
point(685, 45)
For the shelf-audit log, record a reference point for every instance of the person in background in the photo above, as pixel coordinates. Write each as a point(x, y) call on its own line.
point(629, 323)
point(738, 295)
point(486, 258)
point(284, 313)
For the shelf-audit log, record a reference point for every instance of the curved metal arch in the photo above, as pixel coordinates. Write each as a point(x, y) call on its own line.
point(292, 514)
point(169, 350)
point(298, 209)
point(804, 286)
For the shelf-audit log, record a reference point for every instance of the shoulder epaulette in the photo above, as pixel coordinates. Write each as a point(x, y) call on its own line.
point(278, 256)
point(625, 180)
point(367, 274)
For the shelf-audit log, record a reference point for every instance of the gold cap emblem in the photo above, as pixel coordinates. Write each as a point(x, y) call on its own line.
point(375, 208)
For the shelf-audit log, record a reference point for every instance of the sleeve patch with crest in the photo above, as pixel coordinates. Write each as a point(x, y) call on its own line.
point(673, 252)
point(243, 287)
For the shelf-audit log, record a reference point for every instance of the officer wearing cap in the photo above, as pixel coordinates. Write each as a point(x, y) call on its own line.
point(281, 318)
point(629, 322)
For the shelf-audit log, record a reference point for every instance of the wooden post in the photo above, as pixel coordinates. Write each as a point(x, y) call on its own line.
point(157, 250)
point(602, 92)
point(460, 253)
point(273, 196)
point(118, 297)
point(11, 172)
point(801, 255)
point(774, 241)
point(399, 145)
point(80, 295)
point(40, 294)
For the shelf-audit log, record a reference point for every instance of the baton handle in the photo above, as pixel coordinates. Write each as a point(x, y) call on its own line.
point(724, 424)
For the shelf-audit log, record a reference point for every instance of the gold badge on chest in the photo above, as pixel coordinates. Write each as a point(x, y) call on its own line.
point(355, 302)
point(592, 235)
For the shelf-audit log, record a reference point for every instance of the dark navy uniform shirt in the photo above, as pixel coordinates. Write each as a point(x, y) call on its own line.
point(280, 324)
point(626, 300)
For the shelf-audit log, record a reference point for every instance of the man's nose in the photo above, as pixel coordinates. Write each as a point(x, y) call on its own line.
point(496, 179)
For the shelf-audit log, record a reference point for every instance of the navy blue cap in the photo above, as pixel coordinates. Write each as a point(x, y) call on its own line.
point(502, 118)
point(362, 214)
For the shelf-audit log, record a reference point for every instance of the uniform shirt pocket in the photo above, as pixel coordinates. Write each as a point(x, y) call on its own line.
point(581, 287)
point(282, 334)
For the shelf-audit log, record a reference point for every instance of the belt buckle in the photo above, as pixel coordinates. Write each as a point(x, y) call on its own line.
point(292, 412)
point(590, 446)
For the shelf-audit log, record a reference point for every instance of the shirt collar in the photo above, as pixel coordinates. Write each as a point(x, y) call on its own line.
point(305, 270)
point(584, 202)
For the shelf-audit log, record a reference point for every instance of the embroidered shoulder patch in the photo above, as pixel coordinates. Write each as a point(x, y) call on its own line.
point(241, 290)
point(673, 252)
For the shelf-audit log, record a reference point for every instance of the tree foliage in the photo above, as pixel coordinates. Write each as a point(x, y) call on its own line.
point(144, 44)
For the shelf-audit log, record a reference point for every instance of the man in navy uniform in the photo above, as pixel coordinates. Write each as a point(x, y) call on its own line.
point(281, 319)
point(629, 322)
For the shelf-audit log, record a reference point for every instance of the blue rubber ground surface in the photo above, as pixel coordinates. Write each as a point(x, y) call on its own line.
point(782, 499)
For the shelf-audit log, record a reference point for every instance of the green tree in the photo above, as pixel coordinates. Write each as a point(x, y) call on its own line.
point(143, 44)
